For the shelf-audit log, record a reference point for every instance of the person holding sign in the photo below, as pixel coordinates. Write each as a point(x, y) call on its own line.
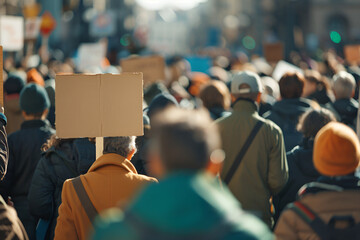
point(111, 181)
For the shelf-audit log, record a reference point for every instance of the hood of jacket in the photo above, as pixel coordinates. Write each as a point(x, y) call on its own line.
point(292, 107)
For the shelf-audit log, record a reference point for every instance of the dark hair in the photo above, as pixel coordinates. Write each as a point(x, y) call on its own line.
point(313, 120)
point(55, 142)
point(291, 85)
point(185, 138)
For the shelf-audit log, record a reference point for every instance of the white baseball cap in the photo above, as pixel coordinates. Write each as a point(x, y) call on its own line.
point(249, 78)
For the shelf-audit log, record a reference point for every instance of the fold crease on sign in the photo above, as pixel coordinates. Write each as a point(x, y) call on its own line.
point(102, 105)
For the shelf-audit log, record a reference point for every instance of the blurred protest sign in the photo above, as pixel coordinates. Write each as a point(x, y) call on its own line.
point(274, 52)
point(11, 33)
point(153, 67)
point(101, 105)
point(284, 67)
point(48, 23)
point(103, 24)
point(200, 64)
point(352, 54)
point(32, 28)
point(91, 55)
point(1, 77)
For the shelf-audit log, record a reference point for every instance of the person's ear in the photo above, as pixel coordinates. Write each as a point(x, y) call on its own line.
point(131, 154)
point(155, 165)
point(45, 113)
point(353, 93)
point(258, 98)
point(23, 113)
point(233, 99)
point(215, 164)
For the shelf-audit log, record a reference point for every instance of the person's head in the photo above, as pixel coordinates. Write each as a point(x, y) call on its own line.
point(312, 80)
point(291, 85)
point(55, 142)
point(183, 140)
point(13, 85)
point(215, 95)
point(344, 85)
point(34, 102)
point(336, 150)
point(123, 146)
point(33, 76)
point(271, 90)
point(313, 120)
point(246, 85)
point(160, 102)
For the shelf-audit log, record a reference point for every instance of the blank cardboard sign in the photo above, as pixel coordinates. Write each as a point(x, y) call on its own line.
point(274, 52)
point(102, 105)
point(152, 67)
point(352, 53)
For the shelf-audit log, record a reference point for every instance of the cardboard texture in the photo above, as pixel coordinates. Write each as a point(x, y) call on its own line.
point(352, 53)
point(102, 105)
point(1, 77)
point(274, 52)
point(152, 67)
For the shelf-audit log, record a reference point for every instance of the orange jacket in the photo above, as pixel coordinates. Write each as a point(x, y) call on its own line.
point(110, 181)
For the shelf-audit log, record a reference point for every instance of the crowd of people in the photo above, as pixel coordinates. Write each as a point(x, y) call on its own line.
point(232, 153)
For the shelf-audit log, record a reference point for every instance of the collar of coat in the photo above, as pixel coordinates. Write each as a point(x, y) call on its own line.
point(37, 123)
point(244, 104)
point(335, 184)
point(112, 159)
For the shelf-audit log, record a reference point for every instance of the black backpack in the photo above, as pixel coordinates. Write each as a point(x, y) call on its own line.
point(327, 231)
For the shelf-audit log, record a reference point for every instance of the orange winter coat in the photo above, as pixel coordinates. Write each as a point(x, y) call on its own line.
point(111, 181)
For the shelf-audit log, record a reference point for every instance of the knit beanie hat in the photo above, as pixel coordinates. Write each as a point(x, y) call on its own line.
point(33, 76)
point(336, 150)
point(34, 99)
point(13, 84)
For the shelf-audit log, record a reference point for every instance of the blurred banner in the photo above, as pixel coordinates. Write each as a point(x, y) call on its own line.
point(12, 33)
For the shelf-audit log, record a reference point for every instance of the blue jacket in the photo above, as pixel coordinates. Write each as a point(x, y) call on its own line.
point(183, 206)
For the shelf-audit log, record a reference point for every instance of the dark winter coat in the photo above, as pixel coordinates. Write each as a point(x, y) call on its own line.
point(286, 114)
point(301, 171)
point(71, 159)
point(24, 155)
point(347, 110)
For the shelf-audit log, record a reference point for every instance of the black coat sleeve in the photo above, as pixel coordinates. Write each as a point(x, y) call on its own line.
point(42, 190)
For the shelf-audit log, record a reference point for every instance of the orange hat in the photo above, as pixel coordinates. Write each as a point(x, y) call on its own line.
point(33, 76)
point(336, 150)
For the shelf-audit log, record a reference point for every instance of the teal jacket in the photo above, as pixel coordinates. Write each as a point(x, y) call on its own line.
point(183, 206)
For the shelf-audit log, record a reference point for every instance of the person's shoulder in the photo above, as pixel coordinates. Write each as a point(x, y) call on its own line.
point(144, 178)
point(111, 225)
point(270, 125)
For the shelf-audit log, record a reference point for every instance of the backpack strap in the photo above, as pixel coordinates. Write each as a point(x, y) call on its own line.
point(242, 152)
point(85, 201)
point(311, 218)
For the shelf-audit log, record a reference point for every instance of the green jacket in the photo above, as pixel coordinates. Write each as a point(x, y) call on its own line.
point(263, 170)
point(185, 205)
